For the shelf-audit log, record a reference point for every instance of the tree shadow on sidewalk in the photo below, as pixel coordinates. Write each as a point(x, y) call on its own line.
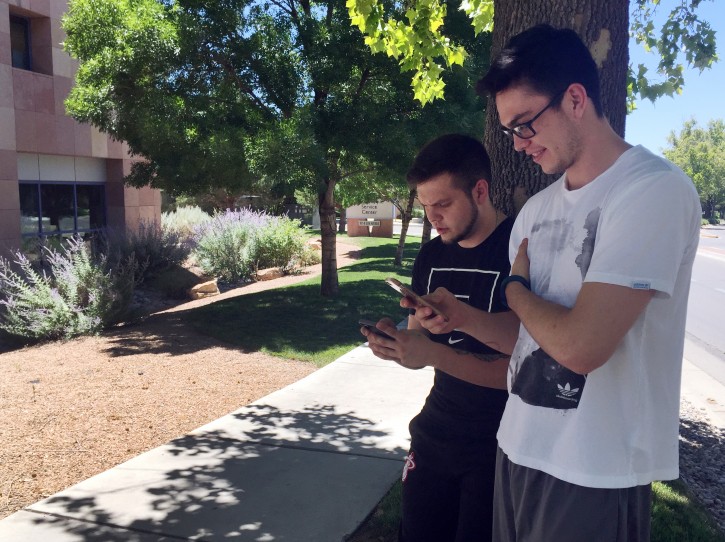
point(317, 485)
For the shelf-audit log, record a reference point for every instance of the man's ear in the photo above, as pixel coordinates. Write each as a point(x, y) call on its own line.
point(576, 99)
point(480, 191)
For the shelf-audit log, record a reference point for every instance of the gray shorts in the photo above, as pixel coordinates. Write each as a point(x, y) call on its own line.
point(532, 506)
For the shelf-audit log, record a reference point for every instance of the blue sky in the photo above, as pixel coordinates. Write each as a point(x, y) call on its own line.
point(701, 98)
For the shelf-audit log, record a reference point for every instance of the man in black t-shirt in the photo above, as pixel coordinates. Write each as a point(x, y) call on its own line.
point(448, 474)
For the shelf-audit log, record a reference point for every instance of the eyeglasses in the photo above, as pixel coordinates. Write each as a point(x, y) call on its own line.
point(525, 130)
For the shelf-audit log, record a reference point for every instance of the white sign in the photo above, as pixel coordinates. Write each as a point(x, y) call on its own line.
point(368, 223)
point(372, 211)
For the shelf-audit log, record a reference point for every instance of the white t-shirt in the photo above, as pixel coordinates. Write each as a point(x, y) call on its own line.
point(635, 225)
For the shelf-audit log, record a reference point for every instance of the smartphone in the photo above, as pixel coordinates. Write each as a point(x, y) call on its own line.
point(369, 324)
point(407, 292)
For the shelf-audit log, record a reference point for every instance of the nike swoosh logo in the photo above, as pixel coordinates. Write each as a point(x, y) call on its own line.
point(451, 341)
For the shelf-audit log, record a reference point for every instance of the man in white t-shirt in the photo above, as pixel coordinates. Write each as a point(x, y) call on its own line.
point(601, 266)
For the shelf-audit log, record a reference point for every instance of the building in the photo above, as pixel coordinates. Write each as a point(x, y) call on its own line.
point(57, 176)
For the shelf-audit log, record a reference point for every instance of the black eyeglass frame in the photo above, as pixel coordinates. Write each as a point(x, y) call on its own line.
point(515, 130)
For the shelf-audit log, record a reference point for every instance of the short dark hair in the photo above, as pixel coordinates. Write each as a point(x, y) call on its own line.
point(461, 156)
point(546, 59)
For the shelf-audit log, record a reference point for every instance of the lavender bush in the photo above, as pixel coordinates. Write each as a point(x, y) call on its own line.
point(77, 295)
point(155, 249)
point(234, 244)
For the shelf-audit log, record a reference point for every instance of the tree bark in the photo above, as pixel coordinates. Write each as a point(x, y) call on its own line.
point(427, 226)
point(329, 286)
point(604, 26)
point(405, 216)
point(343, 220)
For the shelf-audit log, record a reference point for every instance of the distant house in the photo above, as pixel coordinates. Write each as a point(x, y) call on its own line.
point(57, 176)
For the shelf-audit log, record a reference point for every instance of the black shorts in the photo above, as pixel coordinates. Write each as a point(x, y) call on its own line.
point(532, 506)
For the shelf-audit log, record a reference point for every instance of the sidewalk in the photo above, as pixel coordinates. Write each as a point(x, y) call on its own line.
point(306, 463)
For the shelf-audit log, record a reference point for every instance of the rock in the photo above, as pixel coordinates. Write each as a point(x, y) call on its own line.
point(204, 289)
point(315, 244)
point(269, 274)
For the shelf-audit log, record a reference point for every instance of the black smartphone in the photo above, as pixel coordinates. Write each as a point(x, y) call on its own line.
point(410, 294)
point(369, 324)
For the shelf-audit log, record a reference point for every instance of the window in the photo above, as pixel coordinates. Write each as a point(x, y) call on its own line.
point(20, 42)
point(52, 209)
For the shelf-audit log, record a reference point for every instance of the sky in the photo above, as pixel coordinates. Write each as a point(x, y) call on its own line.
point(702, 96)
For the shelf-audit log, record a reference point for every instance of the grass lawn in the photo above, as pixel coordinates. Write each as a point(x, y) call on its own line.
point(297, 323)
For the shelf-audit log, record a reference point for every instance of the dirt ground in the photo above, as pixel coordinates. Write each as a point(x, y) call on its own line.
point(69, 410)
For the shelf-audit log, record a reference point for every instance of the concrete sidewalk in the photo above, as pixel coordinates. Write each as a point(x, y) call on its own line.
point(306, 463)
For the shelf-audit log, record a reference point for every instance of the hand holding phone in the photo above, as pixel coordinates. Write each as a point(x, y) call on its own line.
point(410, 294)
point(370, 325)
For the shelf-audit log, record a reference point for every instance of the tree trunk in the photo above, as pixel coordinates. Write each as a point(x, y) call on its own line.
point(427, 226)
point(329, 286)
point(604, 26)
point(341, 227)
point(405, 216)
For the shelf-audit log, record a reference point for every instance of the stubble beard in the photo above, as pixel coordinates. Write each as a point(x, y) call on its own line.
point(469, 227)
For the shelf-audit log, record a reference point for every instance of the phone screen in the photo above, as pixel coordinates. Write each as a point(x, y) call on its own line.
point(407, 292)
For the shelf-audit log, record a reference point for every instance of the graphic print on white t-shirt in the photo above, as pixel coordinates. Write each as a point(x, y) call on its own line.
point(540, 380)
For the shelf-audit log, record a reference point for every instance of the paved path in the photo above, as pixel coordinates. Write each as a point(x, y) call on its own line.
point(306, 463)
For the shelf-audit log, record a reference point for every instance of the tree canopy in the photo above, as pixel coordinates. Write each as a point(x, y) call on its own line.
point(417, 42)
point(271, 94)
point(700, 153)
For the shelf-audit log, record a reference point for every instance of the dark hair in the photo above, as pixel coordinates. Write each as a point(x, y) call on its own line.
point(461, 156)
point(546, 59)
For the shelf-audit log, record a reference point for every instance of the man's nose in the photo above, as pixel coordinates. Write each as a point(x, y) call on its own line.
point(520, 144)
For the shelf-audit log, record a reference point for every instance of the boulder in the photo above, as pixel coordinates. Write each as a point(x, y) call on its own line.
point(204, 289)
point(269, 274)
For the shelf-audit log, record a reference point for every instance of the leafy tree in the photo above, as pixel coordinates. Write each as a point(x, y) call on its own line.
point(700, 153)
point(603, 25)
point(263, 93)
point(421, 46)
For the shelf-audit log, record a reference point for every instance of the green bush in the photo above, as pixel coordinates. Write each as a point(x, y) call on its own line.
point(223, 243)
point(184, 221)
point(278, 243)
point(77, 295)
point(154, 248)
point(233, 245)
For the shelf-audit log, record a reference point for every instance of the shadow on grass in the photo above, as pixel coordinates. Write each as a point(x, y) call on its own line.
point(207, 486)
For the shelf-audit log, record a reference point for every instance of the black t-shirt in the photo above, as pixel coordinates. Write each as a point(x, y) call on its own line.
point(473, 275)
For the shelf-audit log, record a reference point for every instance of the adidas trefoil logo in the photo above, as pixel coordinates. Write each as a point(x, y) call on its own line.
point(566, 391)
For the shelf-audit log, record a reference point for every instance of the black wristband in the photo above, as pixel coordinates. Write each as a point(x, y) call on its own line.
point(508, 280)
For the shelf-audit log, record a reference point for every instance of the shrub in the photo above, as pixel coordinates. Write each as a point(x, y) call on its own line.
point(234, 244)
point(223, 244)
point(184, 221)
point(280, 242)
point(155, 249)
point(79, 294)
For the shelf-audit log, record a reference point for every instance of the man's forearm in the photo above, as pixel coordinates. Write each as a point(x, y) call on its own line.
point(584, 337)
point(487, 370)
point(498, 330)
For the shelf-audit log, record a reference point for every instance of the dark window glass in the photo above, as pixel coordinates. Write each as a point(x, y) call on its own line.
point(91, 208)
point(29, 209)
point(20, 42)
point(50, 209)
point(57, 206)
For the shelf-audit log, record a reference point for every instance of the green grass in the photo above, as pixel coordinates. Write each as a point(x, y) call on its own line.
point(296, 322)
point(676, 517)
